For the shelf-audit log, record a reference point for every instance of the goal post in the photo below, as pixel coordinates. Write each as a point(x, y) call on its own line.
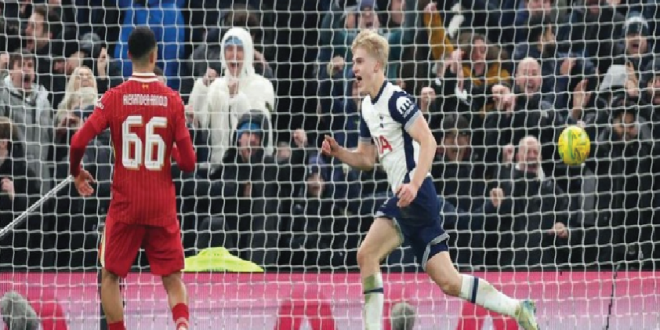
point(271, 227)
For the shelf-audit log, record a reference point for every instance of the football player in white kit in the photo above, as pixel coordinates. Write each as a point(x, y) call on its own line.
point(393, 127)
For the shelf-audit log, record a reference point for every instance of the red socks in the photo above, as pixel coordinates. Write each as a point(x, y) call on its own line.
point(180, 315)
point(116, 326)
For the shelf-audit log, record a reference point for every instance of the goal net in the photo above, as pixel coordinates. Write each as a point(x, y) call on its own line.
point(271, 227)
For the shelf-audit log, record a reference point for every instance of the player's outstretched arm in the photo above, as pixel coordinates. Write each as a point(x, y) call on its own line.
point(94, 125)
point(362, 158)
point(79, 142)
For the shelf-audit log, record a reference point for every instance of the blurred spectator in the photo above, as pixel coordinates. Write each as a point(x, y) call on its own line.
point(199, 134)
point(237, 92)
point(395, 14)
point(623, 163)
point(312, 209)
point(208, 52)
point(250, 183)
point(199, 94)
point(635, 46)
point(592, 31)
point(43, 37)
point(427, 104)
point(92, 53)
point(79, 99)
point(33, 312)
point(459, 176)
point(19, 188)
point(13, 13)
point(340, 107)
point(527, 86)
point(619, 84)
point(81, 77)
point(528, 79)
point(650, 96)
point(165, 19)
point(339, 32)
point(426, 101)
point(536, 207)
point(17, 314)
point(542, 45)
point(520, 115)
point(100, 17)
point(457, 95)
point(458, 173)
point(19, 185)
point(518, 13)
point(79, 218)
point(26, 104)
point(561, 66)
point(481, 63)
point(505, 22)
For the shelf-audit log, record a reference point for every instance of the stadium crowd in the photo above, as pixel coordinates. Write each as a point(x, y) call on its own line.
point(263, 82)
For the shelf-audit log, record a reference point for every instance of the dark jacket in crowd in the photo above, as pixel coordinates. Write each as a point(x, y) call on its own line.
point(13, 247)
point(26, 185)
point(533, 205)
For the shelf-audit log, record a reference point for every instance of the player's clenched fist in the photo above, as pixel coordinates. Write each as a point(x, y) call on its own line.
point(330, 147)
point(406, 193)
point(82, 182)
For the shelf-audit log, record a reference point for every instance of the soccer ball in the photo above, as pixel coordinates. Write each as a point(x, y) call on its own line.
point(574, 145)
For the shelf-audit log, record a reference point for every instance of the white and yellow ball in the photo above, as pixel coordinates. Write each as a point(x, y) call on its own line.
point(574, 145)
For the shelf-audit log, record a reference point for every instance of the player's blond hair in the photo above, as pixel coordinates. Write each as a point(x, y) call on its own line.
point(375, 44)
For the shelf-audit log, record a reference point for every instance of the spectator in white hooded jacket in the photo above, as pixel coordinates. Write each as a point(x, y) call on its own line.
point(235, 93)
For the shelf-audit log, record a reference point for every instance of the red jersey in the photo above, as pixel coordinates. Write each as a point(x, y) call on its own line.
point(146, 119)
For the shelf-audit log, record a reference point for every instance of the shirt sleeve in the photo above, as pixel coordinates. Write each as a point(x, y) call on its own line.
point(365, 133)
point(95, 124)
point(181, 130)
point(99, 118)
point(183, 152)
point(79, 143)
point(403, 109)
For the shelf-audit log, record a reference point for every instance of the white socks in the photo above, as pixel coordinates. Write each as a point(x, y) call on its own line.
point(473, 289)
point(482, 293)
point(372, 312)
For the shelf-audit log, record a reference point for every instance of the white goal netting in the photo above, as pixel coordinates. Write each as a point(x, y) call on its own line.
point(497, 80)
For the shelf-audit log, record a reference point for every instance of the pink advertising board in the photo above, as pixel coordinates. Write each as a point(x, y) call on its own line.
point(566, 300)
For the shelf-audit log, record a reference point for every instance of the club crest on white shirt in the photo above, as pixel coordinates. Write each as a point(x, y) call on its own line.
point(404, 105)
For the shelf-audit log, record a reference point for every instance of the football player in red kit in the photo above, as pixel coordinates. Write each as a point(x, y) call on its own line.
point(146, 121)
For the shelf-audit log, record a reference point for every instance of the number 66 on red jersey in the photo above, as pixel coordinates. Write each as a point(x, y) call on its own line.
point(146, 120)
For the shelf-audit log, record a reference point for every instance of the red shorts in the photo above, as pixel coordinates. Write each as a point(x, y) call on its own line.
point(121, 243)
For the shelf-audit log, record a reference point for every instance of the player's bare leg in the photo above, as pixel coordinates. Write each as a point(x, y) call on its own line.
point(111, 301)
point(478, 291)
point(177, 298)
point(382, 238)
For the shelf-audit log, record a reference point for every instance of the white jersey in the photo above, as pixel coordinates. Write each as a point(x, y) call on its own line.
point(385, 122)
